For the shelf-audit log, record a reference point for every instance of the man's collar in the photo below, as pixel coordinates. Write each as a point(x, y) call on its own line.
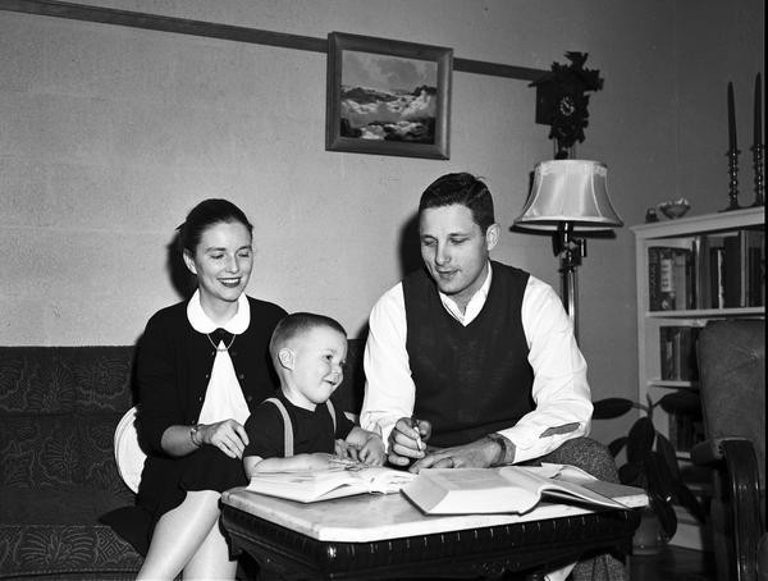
point(481, 293)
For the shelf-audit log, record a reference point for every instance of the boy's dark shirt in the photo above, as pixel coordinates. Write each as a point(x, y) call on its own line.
point(312, 431)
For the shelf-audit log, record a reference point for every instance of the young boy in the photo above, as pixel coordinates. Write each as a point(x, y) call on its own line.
point(308, 352)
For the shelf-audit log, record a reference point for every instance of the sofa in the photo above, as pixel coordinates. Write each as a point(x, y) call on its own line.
point(58, 410)
point(59, 407)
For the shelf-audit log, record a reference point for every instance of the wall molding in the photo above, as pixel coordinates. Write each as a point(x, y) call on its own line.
point(170, 24)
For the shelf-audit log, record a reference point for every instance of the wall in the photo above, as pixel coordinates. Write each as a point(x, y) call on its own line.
point(109, 135)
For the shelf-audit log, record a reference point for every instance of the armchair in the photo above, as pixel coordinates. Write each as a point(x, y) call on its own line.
point(732, 382)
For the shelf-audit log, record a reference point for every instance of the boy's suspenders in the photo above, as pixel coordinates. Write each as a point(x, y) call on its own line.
point(288, 426)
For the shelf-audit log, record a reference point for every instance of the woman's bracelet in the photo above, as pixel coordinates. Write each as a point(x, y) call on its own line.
point(193, 431)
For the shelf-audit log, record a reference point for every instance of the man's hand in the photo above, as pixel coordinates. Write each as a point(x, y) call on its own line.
point(407, 441)
point(481, 453)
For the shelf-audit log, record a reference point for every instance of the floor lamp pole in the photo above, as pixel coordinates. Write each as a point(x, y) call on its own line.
point(570, 250)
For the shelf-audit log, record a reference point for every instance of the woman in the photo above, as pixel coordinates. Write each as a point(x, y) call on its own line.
point(201, 366)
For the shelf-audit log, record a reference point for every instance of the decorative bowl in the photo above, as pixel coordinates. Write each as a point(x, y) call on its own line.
point(676, 209)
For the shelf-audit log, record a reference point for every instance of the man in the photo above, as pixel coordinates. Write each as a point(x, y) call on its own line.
point(480, 352)
point(478, 358)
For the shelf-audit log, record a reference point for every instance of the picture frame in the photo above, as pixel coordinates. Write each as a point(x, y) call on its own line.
point(388, 97)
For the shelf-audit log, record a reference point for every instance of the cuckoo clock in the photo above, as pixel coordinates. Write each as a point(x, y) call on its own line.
point(562, 100)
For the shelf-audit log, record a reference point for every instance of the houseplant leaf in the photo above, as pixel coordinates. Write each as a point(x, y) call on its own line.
point(615, 447)
point(680, 490)
point(667, 453)
point(660, 492)
point(666, 515)
point(640, 440)
point(681, 402)
point(611, 407)
point(633, 475)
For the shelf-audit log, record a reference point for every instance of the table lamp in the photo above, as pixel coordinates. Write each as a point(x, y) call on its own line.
point(569, 196)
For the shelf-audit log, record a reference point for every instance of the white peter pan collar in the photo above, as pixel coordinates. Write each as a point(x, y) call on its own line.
point(203, 324)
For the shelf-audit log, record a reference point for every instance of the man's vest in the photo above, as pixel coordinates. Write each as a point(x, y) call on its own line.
point(473, 380)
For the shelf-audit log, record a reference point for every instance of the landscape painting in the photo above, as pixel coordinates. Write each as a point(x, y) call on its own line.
point(388, 97)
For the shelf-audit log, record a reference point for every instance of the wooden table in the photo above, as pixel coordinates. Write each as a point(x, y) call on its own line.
point(386, 537)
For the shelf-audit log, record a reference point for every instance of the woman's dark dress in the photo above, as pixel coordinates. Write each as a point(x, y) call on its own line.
point(173, 368)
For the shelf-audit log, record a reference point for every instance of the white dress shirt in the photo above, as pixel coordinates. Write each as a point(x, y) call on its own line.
point(560, 389)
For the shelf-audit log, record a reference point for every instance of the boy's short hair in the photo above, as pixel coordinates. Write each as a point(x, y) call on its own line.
point(462, 189)
point(297, 324)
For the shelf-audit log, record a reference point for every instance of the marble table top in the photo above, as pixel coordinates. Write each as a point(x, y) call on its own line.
point(375, 517)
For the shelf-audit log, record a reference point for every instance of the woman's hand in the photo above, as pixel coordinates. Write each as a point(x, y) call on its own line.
point(228, 436)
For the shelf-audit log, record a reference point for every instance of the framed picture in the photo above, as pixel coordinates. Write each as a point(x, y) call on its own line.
point(388, 97)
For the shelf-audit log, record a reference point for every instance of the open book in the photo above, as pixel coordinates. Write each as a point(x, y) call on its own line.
point(514, 489)
point(332, 483)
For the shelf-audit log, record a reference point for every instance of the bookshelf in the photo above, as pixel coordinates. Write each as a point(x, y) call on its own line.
point(688, 272)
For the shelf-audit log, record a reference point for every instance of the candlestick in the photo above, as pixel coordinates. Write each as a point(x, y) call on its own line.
point(758, 128)
point(757, 163)
point(731, 120)
point(757, 145)
point(733, 170)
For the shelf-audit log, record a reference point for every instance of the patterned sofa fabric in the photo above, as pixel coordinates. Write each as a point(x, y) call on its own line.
point(59, 407)
point(58, 410)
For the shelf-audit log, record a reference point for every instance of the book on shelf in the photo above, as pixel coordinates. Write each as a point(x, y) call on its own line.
point(314, 486)
point(685, 431)
point(661, 289)
point(677, 346)
point(717, 273)
point(515, 489)
point(704, 287)
point(671, 278)
point(683, 278)
point(753, 250)
point(731, 269)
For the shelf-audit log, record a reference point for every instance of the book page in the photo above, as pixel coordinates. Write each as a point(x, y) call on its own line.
point(302, 485)
point(553, 487)
point(308, 486)
point(384, 480)
point(627, 496)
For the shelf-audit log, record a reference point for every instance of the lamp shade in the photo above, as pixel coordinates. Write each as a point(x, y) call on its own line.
point(573, 191)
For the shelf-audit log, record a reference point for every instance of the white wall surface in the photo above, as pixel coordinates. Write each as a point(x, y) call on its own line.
point(109, 135)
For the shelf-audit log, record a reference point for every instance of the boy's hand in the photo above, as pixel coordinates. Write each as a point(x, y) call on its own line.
point(372, 453)
point(362, 446)
point(319, 461)
point(345, 449)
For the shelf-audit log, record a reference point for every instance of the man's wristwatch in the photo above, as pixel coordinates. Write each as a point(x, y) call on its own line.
point(501, 459)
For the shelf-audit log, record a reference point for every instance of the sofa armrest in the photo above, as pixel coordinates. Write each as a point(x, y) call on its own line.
point(710, 452)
